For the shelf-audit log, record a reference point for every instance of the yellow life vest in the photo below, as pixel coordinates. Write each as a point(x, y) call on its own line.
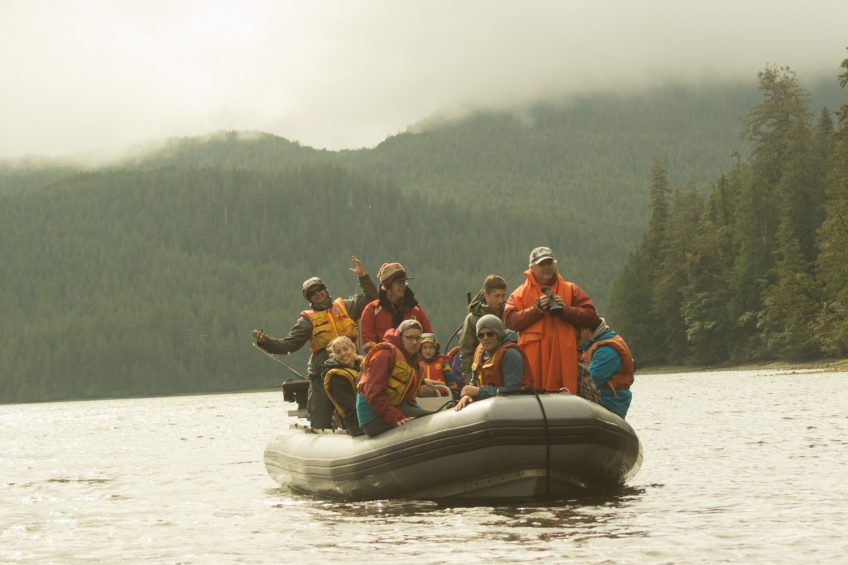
point(329, 324)
point(403, 381)
point(349, 373)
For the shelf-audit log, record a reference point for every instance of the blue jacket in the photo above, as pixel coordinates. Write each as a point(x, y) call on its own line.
point(605, 363)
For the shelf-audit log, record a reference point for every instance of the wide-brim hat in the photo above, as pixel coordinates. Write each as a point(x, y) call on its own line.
point(389, 272)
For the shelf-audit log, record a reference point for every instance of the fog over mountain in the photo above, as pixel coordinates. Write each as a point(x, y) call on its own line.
point(101, 76)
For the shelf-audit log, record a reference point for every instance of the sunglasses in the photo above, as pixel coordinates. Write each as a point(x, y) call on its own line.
point(313, 292)
point(483, 335)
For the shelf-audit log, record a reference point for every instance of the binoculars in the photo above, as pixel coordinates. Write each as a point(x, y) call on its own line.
point(555, 308)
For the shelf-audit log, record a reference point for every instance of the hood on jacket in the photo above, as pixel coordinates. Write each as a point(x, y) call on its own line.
point(393, 336)
point(407, 303)
point(431, 338)
point(479, 307)
point(333, 363)
point(509, 337)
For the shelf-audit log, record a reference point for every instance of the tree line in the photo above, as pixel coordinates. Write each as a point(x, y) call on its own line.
point(134, 282)
point(758, 268)
point(146, 276)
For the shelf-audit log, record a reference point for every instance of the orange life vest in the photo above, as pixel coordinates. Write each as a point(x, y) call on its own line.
point(330, 323)
point(488, 372)
point(625, 375)
point(433, 369)
point(549, 345)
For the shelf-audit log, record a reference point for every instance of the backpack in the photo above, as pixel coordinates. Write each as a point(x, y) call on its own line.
point(586, 387)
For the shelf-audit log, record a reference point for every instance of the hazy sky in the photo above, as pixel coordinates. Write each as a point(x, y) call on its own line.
point(91, 75)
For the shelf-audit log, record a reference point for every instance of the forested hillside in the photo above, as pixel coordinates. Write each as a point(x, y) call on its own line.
point(758, 269)
point(134, 282)
point(145, 277)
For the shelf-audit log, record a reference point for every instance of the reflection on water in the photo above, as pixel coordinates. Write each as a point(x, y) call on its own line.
point(738, 467)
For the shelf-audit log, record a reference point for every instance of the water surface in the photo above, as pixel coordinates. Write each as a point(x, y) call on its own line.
point(739, 466)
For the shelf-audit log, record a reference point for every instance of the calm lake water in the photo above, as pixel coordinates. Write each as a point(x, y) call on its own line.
point(740, 466)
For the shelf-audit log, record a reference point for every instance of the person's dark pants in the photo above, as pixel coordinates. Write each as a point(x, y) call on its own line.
point(319, 409)
point(378, 426)
point(342, 391)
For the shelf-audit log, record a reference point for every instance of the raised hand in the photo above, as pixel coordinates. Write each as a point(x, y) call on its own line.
point(357, 268)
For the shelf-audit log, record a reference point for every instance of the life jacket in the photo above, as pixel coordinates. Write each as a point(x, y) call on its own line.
point(330, 323)
point(625, 375)
point(550, 344)
point(433, 369)
point(488, 371)
point(350, 374)
point(403, 381)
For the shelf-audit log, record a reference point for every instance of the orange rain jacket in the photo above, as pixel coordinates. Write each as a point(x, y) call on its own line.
point(549, 342)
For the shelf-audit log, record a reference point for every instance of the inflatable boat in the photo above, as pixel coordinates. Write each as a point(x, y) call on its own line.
point(509, 447)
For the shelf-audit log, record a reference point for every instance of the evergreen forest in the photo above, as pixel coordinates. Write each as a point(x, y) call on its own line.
point(757, 268)
point(146, 275)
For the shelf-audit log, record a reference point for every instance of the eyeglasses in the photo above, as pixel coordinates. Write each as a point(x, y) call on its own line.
point(484, 335)
point(315, 291)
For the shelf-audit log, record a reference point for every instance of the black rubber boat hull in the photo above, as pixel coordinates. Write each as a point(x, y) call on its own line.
point(513, 447)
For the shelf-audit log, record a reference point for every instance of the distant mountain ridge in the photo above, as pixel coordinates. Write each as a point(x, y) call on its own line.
point(217, 232)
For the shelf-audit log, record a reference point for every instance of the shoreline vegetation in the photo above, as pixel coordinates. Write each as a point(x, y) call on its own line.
point(823, 365)
point(756, 268)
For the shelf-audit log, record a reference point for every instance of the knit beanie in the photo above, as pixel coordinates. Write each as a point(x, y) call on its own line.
point(491, 322)
point(408, 325)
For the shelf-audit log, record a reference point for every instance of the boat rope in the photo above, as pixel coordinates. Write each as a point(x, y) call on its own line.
point(547, 447)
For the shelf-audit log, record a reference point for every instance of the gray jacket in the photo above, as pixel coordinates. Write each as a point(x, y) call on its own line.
point(468, 341)
point(301, 332)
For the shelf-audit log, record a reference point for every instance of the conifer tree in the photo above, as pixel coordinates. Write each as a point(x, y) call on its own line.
point(832, 324)
point(633, 299)
point(706, 306)
point(672, 274)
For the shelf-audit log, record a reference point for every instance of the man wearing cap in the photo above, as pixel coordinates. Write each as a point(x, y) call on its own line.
point(500, 367)
point(395, 303)
point(545, 310)
point(325, 320)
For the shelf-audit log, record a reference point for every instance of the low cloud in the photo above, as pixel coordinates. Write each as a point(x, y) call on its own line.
point(101, 76)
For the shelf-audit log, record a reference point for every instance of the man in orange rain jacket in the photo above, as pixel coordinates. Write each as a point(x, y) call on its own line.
point(545, 310)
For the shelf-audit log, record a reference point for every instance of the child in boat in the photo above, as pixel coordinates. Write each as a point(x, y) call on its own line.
point(610, 364)
point(435, 369)
point(340, 374)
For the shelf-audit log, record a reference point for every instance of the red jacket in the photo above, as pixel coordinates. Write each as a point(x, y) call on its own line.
point(380, 316)
point(375, 376)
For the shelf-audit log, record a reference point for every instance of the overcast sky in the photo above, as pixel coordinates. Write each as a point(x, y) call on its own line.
point(93, 76)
